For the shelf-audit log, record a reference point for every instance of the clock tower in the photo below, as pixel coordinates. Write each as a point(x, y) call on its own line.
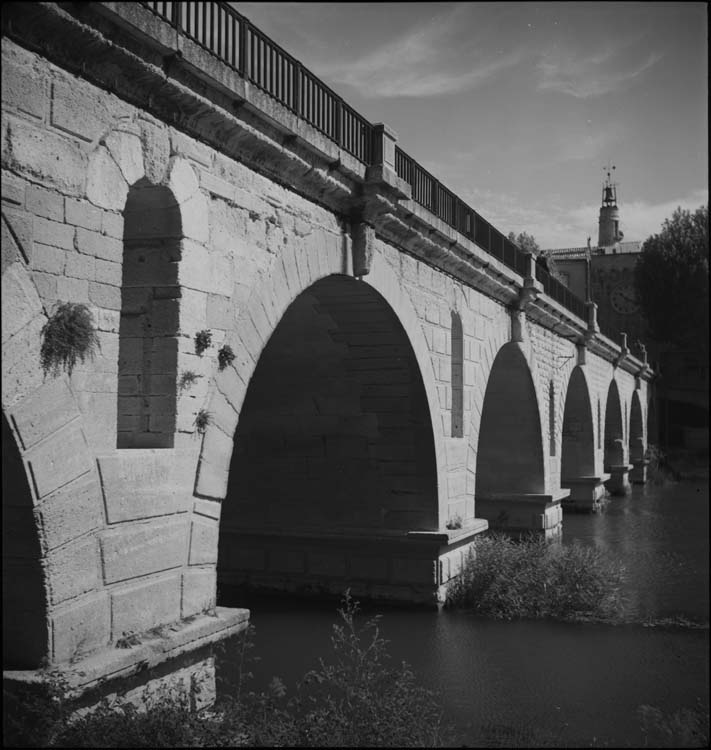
point(609, 233)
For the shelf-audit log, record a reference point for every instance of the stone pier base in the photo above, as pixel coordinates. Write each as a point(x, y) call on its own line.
point(524, 513)
point(587, 494)
point(180, 657)
point(638, 475)
point(397, 566)
point(619, 481)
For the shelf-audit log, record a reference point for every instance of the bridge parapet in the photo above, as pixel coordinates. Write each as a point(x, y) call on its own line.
point(181, 61)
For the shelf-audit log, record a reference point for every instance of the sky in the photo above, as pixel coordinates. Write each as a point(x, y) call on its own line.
point(518, 107)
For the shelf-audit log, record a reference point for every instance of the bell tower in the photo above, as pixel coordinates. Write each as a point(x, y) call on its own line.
point(609, 230)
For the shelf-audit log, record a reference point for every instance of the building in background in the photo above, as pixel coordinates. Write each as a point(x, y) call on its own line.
point(604, 273)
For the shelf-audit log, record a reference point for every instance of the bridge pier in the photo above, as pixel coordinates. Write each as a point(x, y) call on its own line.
point(406, 566)
point(587, 493)
point(619, 481)
point(524, 513)
point(638, 473)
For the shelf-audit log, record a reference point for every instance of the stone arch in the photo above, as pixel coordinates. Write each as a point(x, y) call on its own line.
point(291, 275)
point(50, 469)
point(578, 444)
point(334, 431)
point(510, 442)
point(614, 431)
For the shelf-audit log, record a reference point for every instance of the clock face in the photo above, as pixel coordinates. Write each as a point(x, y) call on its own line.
point(624, 300)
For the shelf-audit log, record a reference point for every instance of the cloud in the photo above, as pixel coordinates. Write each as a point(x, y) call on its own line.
point(429, 60)
point(593, 75)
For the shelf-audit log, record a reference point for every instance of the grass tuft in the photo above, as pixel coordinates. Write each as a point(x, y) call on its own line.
point(68, 336)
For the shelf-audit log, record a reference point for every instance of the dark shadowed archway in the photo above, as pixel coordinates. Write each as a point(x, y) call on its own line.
point(637, 445)
point(24, 603)
point(578, 449)
point(510, 449)
point(150, 299)
point(334, 438)
point(614, 446)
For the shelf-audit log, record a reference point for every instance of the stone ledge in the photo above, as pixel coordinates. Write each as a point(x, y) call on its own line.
point(112, 662)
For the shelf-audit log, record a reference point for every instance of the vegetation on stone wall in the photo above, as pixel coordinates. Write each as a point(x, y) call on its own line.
point(225, 356)
point(532, 578)
point(67, 337)
point(187, 379)
point(203, 340)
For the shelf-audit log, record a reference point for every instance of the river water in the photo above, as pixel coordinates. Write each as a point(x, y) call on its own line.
point(528, 683)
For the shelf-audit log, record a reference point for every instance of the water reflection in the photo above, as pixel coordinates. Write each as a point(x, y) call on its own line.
point(530, 683)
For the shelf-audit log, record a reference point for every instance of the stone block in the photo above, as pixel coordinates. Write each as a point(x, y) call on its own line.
point(24, 88)
point(48, 259)
point(181, 144)
point(59, 459)
point(140, 549)
point(194, 268)
point(105, 184)
point(107, 272)
point(412, 570)
point(99, 245)
point(20, 234)
point(182, 180)
point(156, 151)
point(71, 511)
point(73, 569)
point(50, 408)
point(46, 203)
point(72, 290)
point(21, 374)
point(126, 151)
point(79, 109)
point(20, 302)
point(203, 541)
point(79, 266)
point(143, 485)
point(327, 564)
point(13, 189)
point(217, 447)
point(80, 627)
point(219, 312)
point(211, 480)
point(194, 213)
point(82, 214)
point(207, 508)
point(46, 284)
point(198, 593)
point(105, 295)
point(48, 158)
point(112, 224)
point(53, 233)
point(142, 606)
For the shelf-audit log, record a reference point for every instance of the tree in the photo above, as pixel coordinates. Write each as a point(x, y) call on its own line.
point(526, 242)
point(672, 280)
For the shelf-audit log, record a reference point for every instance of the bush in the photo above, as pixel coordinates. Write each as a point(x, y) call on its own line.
point(68, 336)
point(532, 578)
point(355, 699)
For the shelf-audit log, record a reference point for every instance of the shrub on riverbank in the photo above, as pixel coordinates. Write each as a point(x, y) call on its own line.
point(532, 578)
point(353, 699)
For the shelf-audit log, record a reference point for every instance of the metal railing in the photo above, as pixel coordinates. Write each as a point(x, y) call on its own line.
point(227, 34)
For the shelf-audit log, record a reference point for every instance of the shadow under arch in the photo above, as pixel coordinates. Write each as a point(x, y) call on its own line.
point(509, 462)
point(334, 441)
point(24, 591)
point(578, 444)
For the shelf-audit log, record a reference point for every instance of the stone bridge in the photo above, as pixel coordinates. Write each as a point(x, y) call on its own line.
point(397, 384)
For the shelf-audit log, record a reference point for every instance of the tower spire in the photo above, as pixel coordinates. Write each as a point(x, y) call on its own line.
point(609, 233)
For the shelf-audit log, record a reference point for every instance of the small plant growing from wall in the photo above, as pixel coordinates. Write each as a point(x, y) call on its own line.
point(187, 378)
point(203, 339)
point(225, 356)
point(68, 336)
point(202, 420)
point(455, 522)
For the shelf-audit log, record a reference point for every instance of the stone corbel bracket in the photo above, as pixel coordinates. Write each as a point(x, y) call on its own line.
point(624, 351)
point(362, 246)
